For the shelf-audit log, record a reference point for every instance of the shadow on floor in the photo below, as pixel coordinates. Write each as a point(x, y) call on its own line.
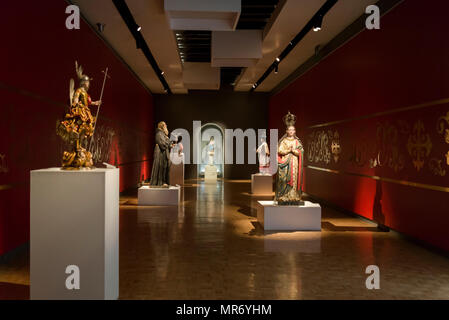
point(247, 211)
point(258, 229)
point(326, 225)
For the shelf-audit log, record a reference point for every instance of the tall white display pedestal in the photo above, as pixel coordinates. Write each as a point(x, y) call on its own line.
point(261, 184)
point(154, 196)
point(177, 171)
point(293, 218)
point(74, 222)
point(210, 173)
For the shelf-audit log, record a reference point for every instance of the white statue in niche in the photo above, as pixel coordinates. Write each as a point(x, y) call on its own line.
point(210, 152)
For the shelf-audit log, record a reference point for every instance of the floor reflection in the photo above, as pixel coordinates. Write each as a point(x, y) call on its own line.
point(301, 242)
point(211, 247)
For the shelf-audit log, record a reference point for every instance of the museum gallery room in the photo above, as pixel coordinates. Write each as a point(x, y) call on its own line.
point(224, 150)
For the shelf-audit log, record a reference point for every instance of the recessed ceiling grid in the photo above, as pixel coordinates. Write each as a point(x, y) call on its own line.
point(195, 46)
point(256, 13)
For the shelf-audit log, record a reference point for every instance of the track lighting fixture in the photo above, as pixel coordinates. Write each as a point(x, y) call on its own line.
point(317, 23)
point(100, 27)
point(135, 30)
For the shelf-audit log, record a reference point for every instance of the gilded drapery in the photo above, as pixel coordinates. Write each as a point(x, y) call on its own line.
point(290, 171)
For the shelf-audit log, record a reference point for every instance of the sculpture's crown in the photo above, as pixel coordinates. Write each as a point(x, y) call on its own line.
point(289, 119)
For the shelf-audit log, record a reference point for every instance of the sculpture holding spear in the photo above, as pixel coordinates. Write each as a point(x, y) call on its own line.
point(78, 124)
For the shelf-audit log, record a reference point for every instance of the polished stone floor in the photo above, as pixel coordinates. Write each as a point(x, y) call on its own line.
point(212, 248)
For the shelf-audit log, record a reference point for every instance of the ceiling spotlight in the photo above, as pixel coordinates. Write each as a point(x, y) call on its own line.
point(162, 73)
point(277, 59)
point(254, 86)
point(317, 24)
point(100, 27)
point(276, 69)
point(139, 28)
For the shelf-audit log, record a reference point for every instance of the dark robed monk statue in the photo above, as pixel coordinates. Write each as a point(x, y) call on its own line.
point(161, 159)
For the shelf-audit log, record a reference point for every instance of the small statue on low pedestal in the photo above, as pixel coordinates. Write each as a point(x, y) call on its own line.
point(264, 156)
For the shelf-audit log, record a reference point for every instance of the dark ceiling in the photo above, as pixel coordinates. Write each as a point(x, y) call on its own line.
point(195, 46)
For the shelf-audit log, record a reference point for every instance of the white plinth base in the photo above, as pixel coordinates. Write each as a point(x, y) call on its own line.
point(177, 170)
point(74, 220)
point(210, 173)
point(177, 174)
point(261, 184)
point(293, 218)
point(159, 196)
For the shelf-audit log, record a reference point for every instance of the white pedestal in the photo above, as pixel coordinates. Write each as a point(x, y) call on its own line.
point(177, 174)
point(159, 196)
point(74, 220)
point(261, 184)
point(210, 173)
point(293, 218)
point(177, 169)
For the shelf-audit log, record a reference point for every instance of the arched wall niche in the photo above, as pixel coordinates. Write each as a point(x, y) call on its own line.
point(210, 131)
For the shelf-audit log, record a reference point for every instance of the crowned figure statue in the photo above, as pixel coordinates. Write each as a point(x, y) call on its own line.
point(78, 124)
point(289, 176)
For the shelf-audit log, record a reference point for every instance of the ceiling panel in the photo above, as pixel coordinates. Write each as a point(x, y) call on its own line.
point(150, 15)
point(117, 35)
point(292, 18)
point(279, 20)
point(338, 18)
point(195, 46)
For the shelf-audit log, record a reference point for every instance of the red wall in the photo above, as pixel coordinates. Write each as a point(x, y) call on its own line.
point(404, 64)
point(37, 60)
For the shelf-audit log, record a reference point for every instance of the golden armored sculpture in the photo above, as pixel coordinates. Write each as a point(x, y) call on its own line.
point(78, 124)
